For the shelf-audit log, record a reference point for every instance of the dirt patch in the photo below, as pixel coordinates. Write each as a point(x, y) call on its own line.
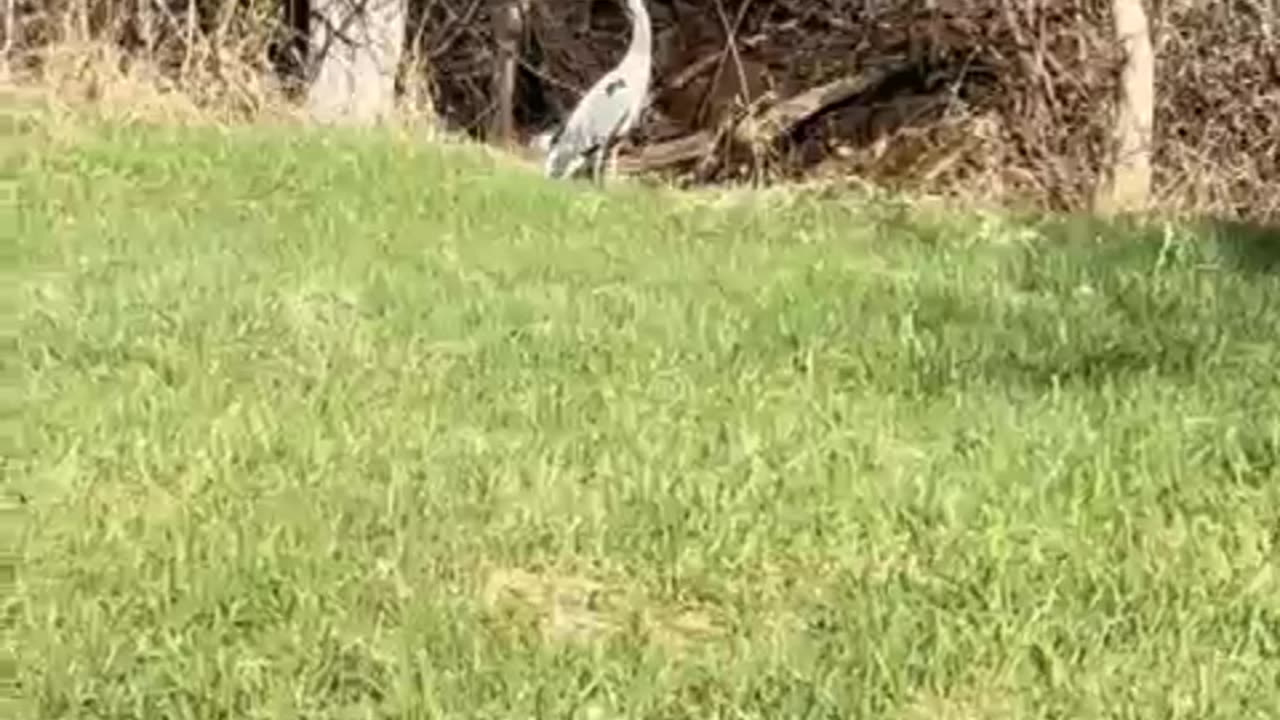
point(576, 609)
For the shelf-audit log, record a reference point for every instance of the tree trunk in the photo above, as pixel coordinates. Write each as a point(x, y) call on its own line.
point(508, 29)
point(356, 46)
point(1128, 185)
point(145, 18)
point(10, 10)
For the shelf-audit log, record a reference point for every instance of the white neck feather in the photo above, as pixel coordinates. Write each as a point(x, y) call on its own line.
point(641, 47)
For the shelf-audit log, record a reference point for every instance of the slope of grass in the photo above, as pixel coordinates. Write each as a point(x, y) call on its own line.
point(337, 427)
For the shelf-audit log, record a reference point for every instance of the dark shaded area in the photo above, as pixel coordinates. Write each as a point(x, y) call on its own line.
point(1108, 361)
point(1255, 459)
point(288, 51)
point(1234, 244)
point(532, 110)
point(1095, 301)
point(1248, 246)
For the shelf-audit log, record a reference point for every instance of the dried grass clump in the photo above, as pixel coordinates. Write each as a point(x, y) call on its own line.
point(171, 59)
point(1217, 145)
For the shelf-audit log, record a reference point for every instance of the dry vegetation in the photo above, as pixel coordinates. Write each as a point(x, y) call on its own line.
point(1014, 98)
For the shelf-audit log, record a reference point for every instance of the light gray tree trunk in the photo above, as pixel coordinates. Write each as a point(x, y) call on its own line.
point(508, 29)
point(356, 47)
point(7, 47)
point(1128, 185)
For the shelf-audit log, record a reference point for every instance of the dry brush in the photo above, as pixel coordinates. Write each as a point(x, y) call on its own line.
point(1018, 97)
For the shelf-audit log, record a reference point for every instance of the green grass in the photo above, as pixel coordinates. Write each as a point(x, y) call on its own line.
point(337, 427)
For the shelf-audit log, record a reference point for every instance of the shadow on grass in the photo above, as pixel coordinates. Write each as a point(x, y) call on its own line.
point(1240, 246)
point(1096, 301)
point(1247, 246)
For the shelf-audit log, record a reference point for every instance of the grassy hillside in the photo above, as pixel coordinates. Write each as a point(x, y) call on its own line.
point(337, 427)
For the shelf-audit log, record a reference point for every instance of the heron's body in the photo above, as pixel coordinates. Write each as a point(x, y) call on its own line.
point(609, 109)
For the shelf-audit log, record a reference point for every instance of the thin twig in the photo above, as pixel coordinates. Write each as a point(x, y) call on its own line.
point(729, 32)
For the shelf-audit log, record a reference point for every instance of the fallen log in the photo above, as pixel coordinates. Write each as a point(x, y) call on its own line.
point(785, 116)
point(766, 128)
point(668, 152)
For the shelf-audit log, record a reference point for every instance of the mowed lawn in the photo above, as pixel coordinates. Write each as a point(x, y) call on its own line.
point(332, 426)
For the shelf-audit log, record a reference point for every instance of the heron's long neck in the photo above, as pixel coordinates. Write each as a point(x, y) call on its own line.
point(641, 48)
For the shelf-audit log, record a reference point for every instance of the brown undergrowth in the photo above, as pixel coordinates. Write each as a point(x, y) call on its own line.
point(1008, 102)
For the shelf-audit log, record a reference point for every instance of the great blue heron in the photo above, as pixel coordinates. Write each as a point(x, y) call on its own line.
point(609, 110)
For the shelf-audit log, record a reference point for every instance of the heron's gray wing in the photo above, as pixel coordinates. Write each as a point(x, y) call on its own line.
point(601, 112)
point(597, 117)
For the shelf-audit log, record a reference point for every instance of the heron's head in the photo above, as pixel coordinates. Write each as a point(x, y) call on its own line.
point(542, 141)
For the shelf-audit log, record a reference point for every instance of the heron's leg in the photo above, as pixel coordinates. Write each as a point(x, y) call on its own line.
point(613, 160)
point(597, 169)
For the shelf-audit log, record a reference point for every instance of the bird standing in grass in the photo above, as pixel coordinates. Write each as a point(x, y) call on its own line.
point(609, 110)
